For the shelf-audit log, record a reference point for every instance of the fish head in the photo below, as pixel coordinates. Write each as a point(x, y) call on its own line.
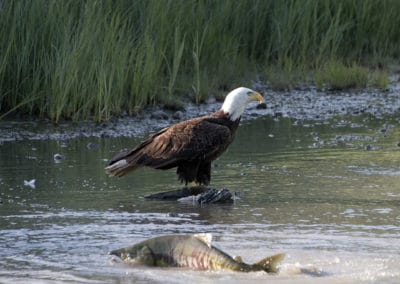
point(138, 254)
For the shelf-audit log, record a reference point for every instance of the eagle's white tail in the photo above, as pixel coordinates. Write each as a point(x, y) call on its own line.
point(118, 168)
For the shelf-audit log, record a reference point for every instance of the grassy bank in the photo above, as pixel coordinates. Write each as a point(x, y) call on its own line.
point(80, 59)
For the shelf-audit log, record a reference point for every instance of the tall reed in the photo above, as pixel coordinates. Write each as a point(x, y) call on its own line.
point(93, 59)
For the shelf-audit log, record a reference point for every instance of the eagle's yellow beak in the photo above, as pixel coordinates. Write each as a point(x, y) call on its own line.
point(256, 97)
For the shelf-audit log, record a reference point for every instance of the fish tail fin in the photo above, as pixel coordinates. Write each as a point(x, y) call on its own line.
point(270, 263)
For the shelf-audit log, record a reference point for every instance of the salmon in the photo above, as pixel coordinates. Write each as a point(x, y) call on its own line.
point(191, 251)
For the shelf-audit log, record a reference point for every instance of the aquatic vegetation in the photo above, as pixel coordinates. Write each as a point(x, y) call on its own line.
point(93, 59)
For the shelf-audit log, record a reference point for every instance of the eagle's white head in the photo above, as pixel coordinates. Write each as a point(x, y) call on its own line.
point(237, 100)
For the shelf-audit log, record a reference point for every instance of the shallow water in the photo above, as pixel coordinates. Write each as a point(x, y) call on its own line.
point(326, 194)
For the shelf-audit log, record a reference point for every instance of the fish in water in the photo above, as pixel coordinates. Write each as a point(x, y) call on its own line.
point(193, 251)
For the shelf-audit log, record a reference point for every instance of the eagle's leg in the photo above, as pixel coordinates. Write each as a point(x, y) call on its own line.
point(196, 187)
point(203, 175)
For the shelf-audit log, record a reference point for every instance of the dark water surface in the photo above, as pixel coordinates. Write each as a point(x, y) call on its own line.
point(326, 194)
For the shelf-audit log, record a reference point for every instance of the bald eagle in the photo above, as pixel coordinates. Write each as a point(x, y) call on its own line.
point(190, 145)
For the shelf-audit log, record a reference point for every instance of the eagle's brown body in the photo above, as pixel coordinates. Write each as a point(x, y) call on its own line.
point(189, 145)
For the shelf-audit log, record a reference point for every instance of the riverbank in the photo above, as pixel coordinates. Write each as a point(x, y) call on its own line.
point(308, 104)
point(94, 59)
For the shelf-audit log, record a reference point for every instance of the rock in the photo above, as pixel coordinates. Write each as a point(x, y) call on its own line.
point(212, 195)
point(178, 115)
point(200, 195)
point(261, 106)
point(58, 157)
point(176, 194)
point(92, 146)
point(159, 114)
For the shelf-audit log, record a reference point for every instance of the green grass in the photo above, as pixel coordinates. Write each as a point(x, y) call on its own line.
point(337, 76)
point(379, 79)
point(93, 59)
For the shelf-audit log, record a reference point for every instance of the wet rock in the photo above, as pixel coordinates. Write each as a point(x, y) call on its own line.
point(159, 114)
point(373, 148)
point(58, 158)
point(199, 195)
point(261, 106)
point(92, 146)
point(178, 115)
point(214, 195)
point(177, 194)
point(173, 105)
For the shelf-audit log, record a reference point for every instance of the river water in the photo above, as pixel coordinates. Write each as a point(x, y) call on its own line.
point(327, 194)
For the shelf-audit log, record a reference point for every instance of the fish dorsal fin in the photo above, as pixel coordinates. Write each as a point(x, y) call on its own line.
point(238, 258)
point(205, 238)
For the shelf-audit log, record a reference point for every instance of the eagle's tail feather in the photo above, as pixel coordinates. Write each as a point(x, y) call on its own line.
point(128, 161)
point(121, 164)
point(118, 168)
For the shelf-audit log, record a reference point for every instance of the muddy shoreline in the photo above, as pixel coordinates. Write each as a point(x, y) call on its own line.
point(307, 104)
